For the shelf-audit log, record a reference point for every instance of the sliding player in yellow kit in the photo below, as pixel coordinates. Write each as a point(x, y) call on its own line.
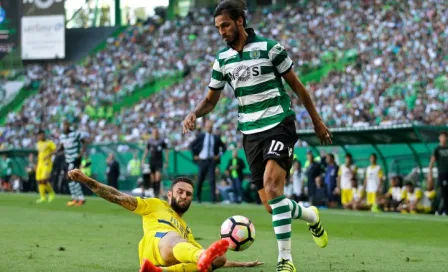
point(168, 243)
point(45, 149)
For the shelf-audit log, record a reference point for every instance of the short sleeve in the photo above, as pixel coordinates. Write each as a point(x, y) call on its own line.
point(340, 171)
point(390, 190)
point(147, 205)
point(380, 173)
point(436, 153)
point(52, 146)
point(280, 59)
point(217, 81)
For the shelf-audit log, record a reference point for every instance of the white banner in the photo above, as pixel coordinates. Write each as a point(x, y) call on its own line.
point(9, 90)
point(43, 37)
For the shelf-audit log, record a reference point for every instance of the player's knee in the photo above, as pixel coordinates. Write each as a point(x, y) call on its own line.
point(267, 207)
point(219, 262)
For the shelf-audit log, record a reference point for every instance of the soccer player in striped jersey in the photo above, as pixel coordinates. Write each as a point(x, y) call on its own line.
point(255, 67)
point(74, 146)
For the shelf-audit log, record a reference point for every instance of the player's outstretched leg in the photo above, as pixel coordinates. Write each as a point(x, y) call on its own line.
point(311, 216)
point(207, 257)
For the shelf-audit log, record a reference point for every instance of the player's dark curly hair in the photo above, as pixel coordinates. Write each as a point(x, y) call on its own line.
point(182, 179)
point(233, 8)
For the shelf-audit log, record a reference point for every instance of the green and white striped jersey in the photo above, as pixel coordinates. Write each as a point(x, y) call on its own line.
point(72, 145)
point(255, 74)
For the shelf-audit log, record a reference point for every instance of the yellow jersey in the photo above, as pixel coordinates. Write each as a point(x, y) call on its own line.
point(374, 174)
point(44, 149)
point(397, 193)
point(347, 173)
point(158, 219)
point(415, 196)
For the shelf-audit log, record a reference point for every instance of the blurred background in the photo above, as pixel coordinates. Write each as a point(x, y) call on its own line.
point(119, 69)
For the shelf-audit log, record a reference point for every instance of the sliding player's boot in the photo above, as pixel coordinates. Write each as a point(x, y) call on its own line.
point(215, 250)
point(147, 266)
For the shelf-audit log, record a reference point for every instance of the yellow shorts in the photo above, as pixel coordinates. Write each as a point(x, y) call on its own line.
point(148, 248)
point(371, 198)
point(346, 196)
point(43, 172)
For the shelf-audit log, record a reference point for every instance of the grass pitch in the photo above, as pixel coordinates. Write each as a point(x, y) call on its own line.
point(104, 237)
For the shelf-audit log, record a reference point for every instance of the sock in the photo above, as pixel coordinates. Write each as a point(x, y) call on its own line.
point(41, 188)
point(156, 187)
point(300, 212)
point(182, 267)
point(49, 188)
point(71, 187)
point(187, 253)
point(281, 221)
point(78, 191)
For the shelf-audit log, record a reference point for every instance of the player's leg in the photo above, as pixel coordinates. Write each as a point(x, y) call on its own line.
point(174, 249)
point(40, 185)
point(157, 181)
point(48, 187)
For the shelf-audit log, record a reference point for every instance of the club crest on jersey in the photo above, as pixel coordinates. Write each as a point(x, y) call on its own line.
point(241, 73)
point(255, 53)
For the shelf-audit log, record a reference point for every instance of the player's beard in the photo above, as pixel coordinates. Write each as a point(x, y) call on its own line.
point(234, 38)
point(177, 207)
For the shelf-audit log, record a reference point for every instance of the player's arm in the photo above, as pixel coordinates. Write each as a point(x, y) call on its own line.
point(108, 193)
point(297, 87)
point(145, 154)
point(381, 177)
point(205, 106)
point(242, 264)
point(431, 165)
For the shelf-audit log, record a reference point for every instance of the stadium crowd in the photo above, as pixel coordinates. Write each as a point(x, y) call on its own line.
point(398, 74)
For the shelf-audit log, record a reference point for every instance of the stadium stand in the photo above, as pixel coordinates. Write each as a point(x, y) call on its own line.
point(383, 84)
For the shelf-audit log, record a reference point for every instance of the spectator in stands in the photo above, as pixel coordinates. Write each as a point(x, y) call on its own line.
point(134, 166)
point(207, 149)
point(331, 177)
point(6, 168)
point(347, 172)
point(235, 167)
point(112, 171)
point(440, 156)
point(225, 189)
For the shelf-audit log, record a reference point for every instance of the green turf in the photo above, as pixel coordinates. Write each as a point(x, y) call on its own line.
point(104, 237)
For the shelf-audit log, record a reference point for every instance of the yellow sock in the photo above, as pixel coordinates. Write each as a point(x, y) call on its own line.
point(187, 253)
point(49, 188)
point(182, 267)
point(41, 189)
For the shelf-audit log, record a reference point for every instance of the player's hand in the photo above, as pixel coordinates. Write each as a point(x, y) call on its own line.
point(252, 264)
point(189, 123)
point(77, 175)
point(322, 132)
point(337, 191)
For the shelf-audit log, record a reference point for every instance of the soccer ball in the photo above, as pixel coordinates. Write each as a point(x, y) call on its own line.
point(239, 232)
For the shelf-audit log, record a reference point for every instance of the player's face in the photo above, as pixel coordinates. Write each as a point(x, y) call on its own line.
point(228, 28)
point(66, 127)
point(155, 133)
point(442, 139)
point(348, 160)
point(180, 197)
point(372, 159)
point(41, 137)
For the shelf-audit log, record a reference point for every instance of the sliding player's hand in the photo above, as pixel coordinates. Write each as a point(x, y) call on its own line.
point(189, 123)
point(77, 175)
point(252, 264)
point(323, 133)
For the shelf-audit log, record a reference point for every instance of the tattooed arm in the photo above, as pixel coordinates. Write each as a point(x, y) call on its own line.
point(108, 193)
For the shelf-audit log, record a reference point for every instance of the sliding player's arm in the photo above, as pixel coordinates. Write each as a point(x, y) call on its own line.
point(242, 264)
point(108, 193)
point(205, 106)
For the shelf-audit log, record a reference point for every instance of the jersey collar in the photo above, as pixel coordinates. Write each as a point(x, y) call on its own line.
point(250, 37)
